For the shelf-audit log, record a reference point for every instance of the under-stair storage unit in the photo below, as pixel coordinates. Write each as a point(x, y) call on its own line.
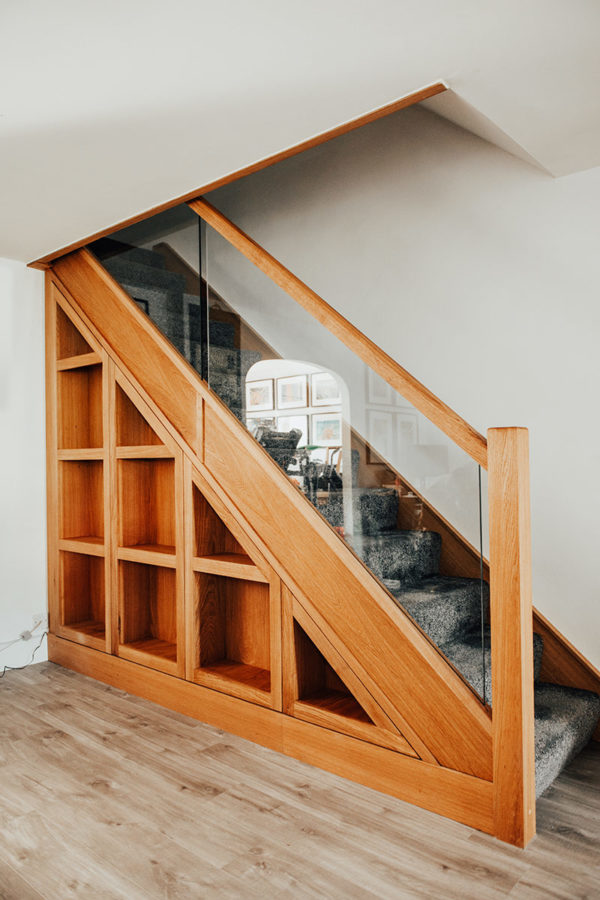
point(187, 568)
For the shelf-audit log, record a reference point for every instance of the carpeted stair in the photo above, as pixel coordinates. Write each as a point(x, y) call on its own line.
point(448, 609)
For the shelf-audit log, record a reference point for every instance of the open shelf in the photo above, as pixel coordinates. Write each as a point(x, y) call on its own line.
point(147, 505)
point(78, 362)
point(319, 686)
point(148, 615)
point(132, 428)
point(234, 637)
point(82, 599)
point(212, 538)
point(80, 408)
point(69, 342)
point(82, 502)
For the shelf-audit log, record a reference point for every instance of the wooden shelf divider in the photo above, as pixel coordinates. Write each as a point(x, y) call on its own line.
point(78, 362)
point(232, 565)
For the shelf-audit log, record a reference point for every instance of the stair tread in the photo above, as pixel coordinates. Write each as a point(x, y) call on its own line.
point(565, 719)
point(446, 607)
point(402, 556)
point(466, 655)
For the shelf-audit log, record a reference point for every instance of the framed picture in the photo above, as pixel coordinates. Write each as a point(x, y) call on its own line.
point(378, 390)
point(406, 430)
point(292, 392)
point(259, 395)
point(380, 436)
point(324, 390)
point(326, 429)
point(286, 423)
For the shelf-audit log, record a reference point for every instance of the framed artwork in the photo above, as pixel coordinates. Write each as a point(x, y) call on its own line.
point(406, 430)
point(378, 390)
point(259, 395)
point(324, 390)
point(380, 436)
point(326, 429)
point(286, 423)
point(292, 392)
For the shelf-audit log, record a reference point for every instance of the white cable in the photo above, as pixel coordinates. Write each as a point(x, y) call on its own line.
point(4, 645)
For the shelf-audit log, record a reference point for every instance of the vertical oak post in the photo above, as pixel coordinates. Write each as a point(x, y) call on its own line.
point(512, 635)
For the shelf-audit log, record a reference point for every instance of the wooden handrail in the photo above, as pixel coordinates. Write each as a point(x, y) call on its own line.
point(448, 421)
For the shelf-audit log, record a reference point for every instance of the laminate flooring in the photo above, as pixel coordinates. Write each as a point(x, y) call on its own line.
point(105, 795)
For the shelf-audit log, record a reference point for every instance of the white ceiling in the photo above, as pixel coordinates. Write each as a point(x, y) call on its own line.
point(112, 107)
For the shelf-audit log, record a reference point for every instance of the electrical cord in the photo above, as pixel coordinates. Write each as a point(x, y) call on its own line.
point(24, 636)
point(18, 668)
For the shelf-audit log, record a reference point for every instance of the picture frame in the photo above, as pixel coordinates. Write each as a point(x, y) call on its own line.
point(378, 390)
point(286, 423)
point(292, 392)
point(380, 437)
point(326, 429)
point(407, 430)
point(324, 390)
point(259, 395)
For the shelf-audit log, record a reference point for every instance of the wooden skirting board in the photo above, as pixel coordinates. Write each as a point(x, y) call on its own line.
point(452, 794)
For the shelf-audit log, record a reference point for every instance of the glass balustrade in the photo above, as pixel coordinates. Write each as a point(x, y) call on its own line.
point(403, 496)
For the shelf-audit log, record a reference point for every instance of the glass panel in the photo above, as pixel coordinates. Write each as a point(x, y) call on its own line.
point(399, 492)
point(157, 263)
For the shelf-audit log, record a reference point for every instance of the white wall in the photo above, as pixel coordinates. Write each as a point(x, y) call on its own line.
point(23, 581)
point(480, 275)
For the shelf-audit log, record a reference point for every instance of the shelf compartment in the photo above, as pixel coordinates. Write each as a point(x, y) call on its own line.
point(211, 536)
point(80, 408)
point(132, 428)
point(82, 599)
point(232, 565)
point(234, 649)
point(82, 501)
point(69, 341)
point(148, 615)
point(147, 504)
point(319, 686)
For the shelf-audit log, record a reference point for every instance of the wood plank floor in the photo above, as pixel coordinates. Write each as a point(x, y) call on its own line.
point(104, 795)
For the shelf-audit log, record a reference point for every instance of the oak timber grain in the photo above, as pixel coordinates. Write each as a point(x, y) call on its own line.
point(512, 635)
point(422, 398)
point(365, 119)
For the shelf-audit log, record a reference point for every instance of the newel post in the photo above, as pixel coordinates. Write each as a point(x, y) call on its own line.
point(512, 635)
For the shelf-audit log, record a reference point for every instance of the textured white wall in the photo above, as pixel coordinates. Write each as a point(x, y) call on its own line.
point(23, 581)
point(480, 275)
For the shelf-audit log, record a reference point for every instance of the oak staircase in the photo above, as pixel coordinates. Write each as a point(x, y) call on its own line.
point(187, 568)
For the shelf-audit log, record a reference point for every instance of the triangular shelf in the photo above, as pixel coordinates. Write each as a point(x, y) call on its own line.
point(220, 545)
point(322, 697)
point(69, 340)
point(132, 429)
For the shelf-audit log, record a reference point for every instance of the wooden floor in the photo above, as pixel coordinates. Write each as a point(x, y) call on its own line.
point(104, 795)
